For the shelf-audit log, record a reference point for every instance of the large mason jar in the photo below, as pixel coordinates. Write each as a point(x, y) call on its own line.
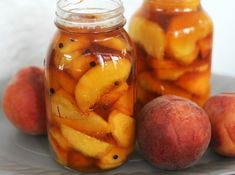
point(90, 86)
point(174, 45)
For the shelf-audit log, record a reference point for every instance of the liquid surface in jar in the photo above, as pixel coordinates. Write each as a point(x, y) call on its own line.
point(173, 54)
point(90, 99)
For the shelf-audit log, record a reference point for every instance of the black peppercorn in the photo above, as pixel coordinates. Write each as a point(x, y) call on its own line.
point(93, 64)
point(61, 45)
point(87, 51)
point(115, 157)
point(52, 91)
point(116, 83)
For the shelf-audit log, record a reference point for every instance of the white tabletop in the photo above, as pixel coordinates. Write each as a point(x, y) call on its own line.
point(26, 27)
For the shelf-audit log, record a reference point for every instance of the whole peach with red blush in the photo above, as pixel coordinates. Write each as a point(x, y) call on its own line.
point(173, 132)
point(24, 101)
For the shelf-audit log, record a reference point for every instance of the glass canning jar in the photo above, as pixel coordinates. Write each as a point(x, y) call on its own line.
point(174, 46)
point(90, 86)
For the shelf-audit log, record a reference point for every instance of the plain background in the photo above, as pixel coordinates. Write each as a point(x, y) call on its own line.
point(26, 28)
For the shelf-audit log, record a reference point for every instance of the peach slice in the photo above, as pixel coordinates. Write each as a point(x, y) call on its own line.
point(60, 153)
point(200, 100)
point(99, 80)
point(80, 65)
point(59, 138)
point(145, 96)
point(63, 61)
point(114, 158)
point(122, 128)
point(85, 144)
point(67, 82)
point(66, 45)
point(197, 83)
point(78, 161)
point(112, 96)
point(54, 79)
point(205, 46)
point(147, 82)
point(168, 74)
point(64, 105)
point(125, 103)
point(113, 43)
point(183, 33)
point(65, 112)
point(149, 35)
point(170, 70)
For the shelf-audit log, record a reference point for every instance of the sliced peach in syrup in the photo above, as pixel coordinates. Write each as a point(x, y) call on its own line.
point(171, 70)
point(197, 83)
point(54, 79)
point(98, 80)
point(68, 45)
point(59, 138)
point(114, 158)
point(145, 96)
point(60, 153)
point(63, 60)
point(80, 65)
point(114, 94)
point(67, 82)
point(125, 103)
point(205, 46)
point(200, 100)
point(85, 144)
point(76, 160)
point(64, 105)
point(113, 43)
point(66, 112)
point(147, 82)
point(149, 35)
point(123, 128)
point(183, 33)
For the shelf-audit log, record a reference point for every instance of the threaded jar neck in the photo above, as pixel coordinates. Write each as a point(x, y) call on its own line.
point(90, 15)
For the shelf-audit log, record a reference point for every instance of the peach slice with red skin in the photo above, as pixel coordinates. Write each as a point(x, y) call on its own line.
point(149, 35)
point(125, 103)
point(149, 83)
point(112, 96)
point(98, 80)
point(184, 32)
point(123, 128)
point(65, 112)
point(85, 144)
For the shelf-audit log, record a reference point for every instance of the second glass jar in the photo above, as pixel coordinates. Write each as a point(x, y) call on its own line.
point(91, 87)
point(174, 47)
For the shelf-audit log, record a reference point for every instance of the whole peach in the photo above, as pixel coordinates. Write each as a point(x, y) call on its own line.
point(221, 111)
point(173, 132)
point(24, 101)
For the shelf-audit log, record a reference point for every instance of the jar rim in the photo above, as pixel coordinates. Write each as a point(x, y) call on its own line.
point(90, 14)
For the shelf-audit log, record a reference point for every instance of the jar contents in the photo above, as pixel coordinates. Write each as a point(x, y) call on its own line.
point(174, 52)
point(90, 99)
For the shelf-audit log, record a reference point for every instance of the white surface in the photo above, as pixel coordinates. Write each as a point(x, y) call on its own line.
point(26, 27)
